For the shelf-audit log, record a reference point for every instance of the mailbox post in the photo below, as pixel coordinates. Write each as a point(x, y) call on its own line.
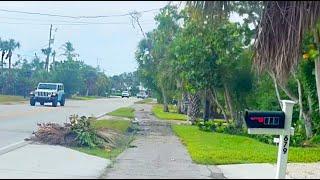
point(276, 123)
point(287, 107)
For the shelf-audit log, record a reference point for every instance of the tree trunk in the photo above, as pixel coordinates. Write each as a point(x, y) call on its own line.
point(317, 66)
point(184, 107)
point(276, 88)
point(288, 93)
point(306, 114)
point(317, 75)
point(307, 117)
point(215, 99)
point(47, 64)
point(2, 56)
point(206, 106)
point(229, 102)
point(10, 61)
point(180, 100)
point(53, 61)
point(299, 96)
point(179, 106)
point(165, 101)
point(87, 93)
point(193, 109)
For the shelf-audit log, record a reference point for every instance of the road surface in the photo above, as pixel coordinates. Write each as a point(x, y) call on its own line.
point(20, 120)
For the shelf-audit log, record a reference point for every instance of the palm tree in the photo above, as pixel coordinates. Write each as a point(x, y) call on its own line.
point(69, 51)
point(47, 52)
point(12, 45)
point(53, 58)
point(3, 49)
point(194, 107)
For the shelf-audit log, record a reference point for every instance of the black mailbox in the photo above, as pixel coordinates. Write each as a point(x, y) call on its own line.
point(260, 119)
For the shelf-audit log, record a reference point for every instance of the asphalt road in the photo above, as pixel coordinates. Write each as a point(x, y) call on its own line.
point(20, 120)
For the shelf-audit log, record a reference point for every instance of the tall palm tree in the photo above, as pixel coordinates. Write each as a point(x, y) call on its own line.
point(3, 49)
point(12, 45)
point(47, 52)
point(53, 58)
point(69, 51)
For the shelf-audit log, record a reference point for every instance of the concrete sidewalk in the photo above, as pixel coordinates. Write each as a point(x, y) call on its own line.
point(268, 171)
point(46, 161)
point(157, 154)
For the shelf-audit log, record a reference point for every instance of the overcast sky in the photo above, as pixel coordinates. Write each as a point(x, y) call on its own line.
point(111, 46)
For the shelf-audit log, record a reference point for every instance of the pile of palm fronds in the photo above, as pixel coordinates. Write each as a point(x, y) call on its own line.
point(280, 33)
point(53, 133)
point(78, 132)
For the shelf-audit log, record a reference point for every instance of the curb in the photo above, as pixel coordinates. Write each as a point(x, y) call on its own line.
point(101, 115)
point(13, 147)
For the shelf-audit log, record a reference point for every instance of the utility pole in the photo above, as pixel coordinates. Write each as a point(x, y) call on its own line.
point(49, 50)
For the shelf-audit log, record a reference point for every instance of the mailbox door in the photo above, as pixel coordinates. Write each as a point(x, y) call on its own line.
point(260, 119)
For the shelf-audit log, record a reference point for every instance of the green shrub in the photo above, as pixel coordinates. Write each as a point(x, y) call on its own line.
point(86, 135)
point(316, 139)
point(297, 140)
point(208, 126)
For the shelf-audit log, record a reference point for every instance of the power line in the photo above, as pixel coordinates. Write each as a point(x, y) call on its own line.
point(75, 17)
point(71, 24)
point(52, 21)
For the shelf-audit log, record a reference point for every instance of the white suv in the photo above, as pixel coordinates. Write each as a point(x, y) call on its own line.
point(48, 92)
point(125, 94)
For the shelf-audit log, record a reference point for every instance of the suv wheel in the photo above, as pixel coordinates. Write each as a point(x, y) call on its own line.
point(63, 100)
point(32, 102)
point(42, 103)
point(55, 102)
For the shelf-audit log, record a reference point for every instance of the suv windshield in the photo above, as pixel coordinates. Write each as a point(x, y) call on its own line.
point(47, 86)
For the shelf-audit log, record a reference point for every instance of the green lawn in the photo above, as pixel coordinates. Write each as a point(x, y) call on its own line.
point(85, 97)
point(217, 148)
point(119, 125)
point(4, 99)
point(123, 112)
point(157, 110)
point(144, 101)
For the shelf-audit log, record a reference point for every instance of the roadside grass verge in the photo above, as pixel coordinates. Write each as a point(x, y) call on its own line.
point(123, 112)
point(120, 125)
point(144, 101)
point(85, 97)
point(157, 110)
point(114, 124)
point(218, 148)
point(6, 99)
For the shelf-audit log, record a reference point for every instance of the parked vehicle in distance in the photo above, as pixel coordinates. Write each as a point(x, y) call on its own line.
point(125, 94)
point(48, 92)
point(142, 95)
